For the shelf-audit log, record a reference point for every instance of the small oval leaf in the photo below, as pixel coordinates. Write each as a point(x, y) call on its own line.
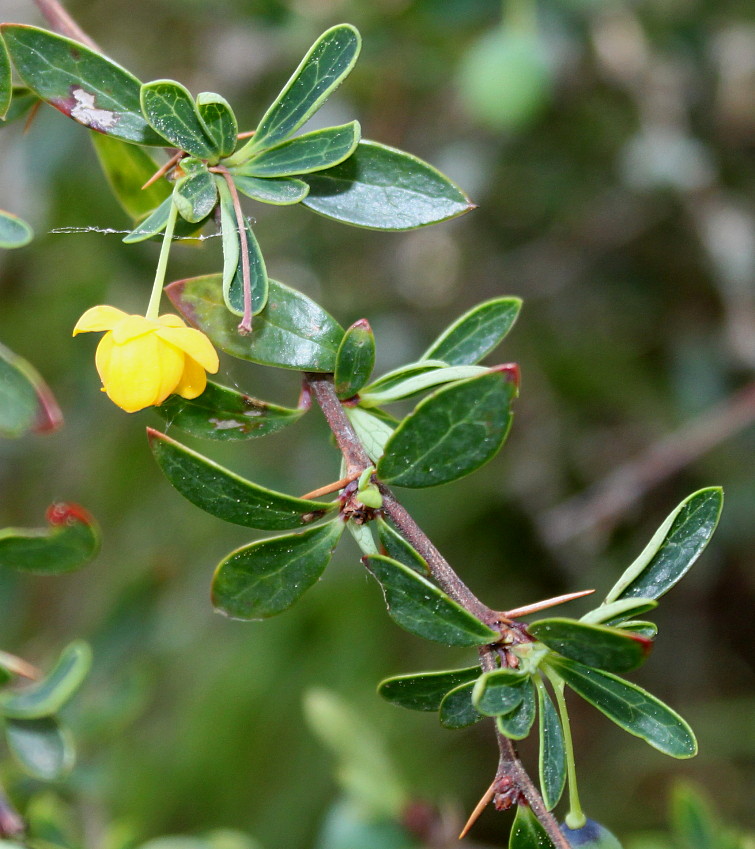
point(195, 195)
point(41, 747)
point(499, 691)
point(527, 832)
point(457, 710)
point(355, 359)
point(14, 231)
point(422, 609)
point(552, 759)
point(291, 332)
point(382, 188)
point(26, 402)
point(451, 433)
point(281, 191)
point(224, 414)
point(517, 724)
point(372, 430)
point(224, 494)
point(267, 577)
point(70, 542)
point(630, 707)
point(425, 690)
point(218, 121)
point(397, 548)
point(171, 112)
point(476, 333)
point(47, 697)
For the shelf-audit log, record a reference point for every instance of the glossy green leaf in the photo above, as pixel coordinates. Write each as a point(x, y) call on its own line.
point(218, 121)
point(6, 81)
point(499, 691)
point(373, 432)
point(355, 359)
point(552, 760)
point(280, 191)
point(260, 284)
point(402, 373)
point(171, 112)
point(26, 402)
point(291, 332)
point(476, 333)
point(517, 724)
point(304, 154)
point(224, 494)
point(420, 383)
point(229, 229)
point(382, 188)
point(23, 99)
point(323, 69)
point(422, 609)
point(593, 645)
point(41, 747)
point(79, 82)
point(618, 611)
point(14, 231)
point(70, 541)
point(152, 225)
point(527, 832)
point(644, 629)
point(592, 835)
point(457, 710)
point(196, 194)
point(265, 578)
point(397, 548)
point(630, 707)
point(362, 536)
point(127, 168)
point(225, 414)
point(47, 697)
point(425, 690)
point(676, 545)
point(451, 433)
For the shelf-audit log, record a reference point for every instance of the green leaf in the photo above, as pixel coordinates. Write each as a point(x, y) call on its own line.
point(229, 229)
point(499, 691)
point(218, 121)
point(21, 103)
point(152, 225)
point(402, 389)
point(6, 81)
point(355, 359)
point(648, 630)
point(79, 82)
point(224, 414)
point(425, 690)
point(260, 284)
point(457, 710)
point(267, 577)
point(224, 494)
point(382, 188)
point(695, 826)
point(280, 191)
point(196, 194)
point(47, 697)
point(127, 168)
point(527, 832)
point(552, 761)
point(630, 707)
point(323, 69)
point(422, 609)
point(402, 373)
point(617, 611)
point(676, 545)
point(26, 402)
point(171, 111)
point(517, 724)
point(70, 542)
point(594, 645)
point(397, 548)
point(304, 154)
point(41, 747)
point(476, 333)
point(373, 432)
point(592, 835)
point(451, 433)
point(14, 231)
point(291, 332)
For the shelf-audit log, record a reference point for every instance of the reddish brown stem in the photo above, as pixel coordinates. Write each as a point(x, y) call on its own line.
point(61, 22)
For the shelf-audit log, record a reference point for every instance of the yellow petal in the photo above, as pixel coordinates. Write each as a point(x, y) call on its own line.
point(193, 381)
point(99, 318)
point(131, 327)
point(170, 320)
point(141, 372)
point(194, 343)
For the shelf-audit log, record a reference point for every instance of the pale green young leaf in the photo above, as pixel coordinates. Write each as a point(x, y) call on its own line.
point(14, 231)
point(412, 385)
point(279, 191)
point(617, 611)
point(373, 431)
point(42, 747)
point(218, 121)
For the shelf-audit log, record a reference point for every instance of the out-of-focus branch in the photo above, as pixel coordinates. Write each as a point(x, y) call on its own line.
point(605, 502)
point(61, 22)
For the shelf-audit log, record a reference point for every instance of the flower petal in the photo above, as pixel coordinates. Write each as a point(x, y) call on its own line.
point(194, 343)
point(131, 327)
point(193, 381)
point(99, 318)
point(170, 320)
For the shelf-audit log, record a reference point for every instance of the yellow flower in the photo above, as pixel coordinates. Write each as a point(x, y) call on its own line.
point(143, 360)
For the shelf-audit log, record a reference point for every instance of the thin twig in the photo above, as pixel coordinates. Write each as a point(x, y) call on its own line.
point(331, 487)
point(536, 606)
point(163, 169)
point(486, 799)
point(19, 666)
point(61, 22)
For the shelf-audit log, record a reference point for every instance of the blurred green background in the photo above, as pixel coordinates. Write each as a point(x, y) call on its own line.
point(610, 148)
